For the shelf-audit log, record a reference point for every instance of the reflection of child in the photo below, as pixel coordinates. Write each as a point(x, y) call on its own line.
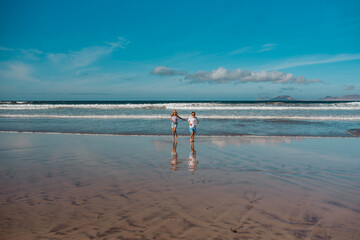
point(193, 122)
point(174, 160)
point(192, 163)
point(174, 117)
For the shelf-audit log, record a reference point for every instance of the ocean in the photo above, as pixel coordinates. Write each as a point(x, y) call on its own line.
point(217, 118)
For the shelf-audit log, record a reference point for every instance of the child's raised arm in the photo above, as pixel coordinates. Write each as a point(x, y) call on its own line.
point(180, 117)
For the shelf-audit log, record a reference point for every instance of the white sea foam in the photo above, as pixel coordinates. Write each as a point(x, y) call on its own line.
point(211, 138)
point(219, 117)
point(188, 106)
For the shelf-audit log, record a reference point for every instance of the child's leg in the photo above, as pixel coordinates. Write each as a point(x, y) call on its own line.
point(192, 136)
point(173, 132)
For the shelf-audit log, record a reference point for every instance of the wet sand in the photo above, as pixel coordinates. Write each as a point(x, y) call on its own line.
point(57, 186)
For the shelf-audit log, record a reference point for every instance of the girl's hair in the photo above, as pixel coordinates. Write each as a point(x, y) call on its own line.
point(173, 113)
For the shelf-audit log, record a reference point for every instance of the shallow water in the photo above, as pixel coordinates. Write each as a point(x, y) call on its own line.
point(57, 186)
point(153, 118)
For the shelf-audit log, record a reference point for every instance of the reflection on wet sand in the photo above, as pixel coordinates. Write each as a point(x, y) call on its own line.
point(174, 157)
point(222, 141)
point(103, 187)
point(176, 162)
point(192, 163)
point(249, 140)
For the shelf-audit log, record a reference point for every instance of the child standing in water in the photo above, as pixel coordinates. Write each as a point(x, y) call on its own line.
point(193, 122)
point(174, 122)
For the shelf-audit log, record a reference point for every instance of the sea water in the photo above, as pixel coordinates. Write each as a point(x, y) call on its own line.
point(219, 118)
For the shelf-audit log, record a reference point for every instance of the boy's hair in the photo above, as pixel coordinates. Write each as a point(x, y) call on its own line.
point(193, 113)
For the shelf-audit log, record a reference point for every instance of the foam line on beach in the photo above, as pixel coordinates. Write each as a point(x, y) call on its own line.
point(186, 106)
point(218, 117)
point(203, 136)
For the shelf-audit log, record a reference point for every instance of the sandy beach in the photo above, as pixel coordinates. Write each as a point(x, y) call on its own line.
point(63, 186)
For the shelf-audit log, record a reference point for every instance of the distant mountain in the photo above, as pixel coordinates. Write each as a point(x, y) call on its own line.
point(343, 98)
point(282, 98)
point(329, 98)
point(351, 97)
point(278, 98)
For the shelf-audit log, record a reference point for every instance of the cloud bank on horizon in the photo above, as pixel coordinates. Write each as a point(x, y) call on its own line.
point(222, 75)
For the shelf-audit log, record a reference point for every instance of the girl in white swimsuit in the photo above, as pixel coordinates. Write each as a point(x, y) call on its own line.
point(174, 122)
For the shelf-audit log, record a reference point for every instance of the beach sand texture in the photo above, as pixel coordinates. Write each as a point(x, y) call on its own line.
point(58, 186)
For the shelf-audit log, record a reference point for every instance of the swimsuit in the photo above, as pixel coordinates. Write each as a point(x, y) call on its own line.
point(174, 121)
point(193, 121)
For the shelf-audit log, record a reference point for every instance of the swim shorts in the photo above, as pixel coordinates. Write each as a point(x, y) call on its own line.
point(173, 124)
point(192, 130)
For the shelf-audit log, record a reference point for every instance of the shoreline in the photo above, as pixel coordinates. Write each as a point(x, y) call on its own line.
point(179, 101)
point(169, 135)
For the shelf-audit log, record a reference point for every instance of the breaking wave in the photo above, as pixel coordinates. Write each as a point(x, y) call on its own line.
point(186, 106)
point(219, 117)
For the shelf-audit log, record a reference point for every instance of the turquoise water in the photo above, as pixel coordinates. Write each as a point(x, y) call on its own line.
point(153, 117)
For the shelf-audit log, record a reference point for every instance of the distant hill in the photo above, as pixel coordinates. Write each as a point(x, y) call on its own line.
point(282, 98)
point(329, 98)
point(351, 97)
point(278, 98)
point(343, 98)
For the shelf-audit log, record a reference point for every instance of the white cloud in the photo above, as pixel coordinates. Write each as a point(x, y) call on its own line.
point(253, 49)
point(72, 59)
point(349, 88)
point(7, 49)
point(81, 58)
point(313, 60)
point(121, 43)
point(222, 75)
point(267, 47)
point(86, 56)
point(165, 71)
point(315, 81)
point(32, 54)
point(57, 58)
point(16, 71)
point(240, 50)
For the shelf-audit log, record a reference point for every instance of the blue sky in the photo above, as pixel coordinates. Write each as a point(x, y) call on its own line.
point(178, 50)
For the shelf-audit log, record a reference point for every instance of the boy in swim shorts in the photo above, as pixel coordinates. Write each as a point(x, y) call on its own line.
point(193, 122)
